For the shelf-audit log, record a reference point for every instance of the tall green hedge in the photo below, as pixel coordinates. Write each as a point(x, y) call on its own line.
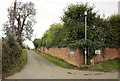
point(11, 52)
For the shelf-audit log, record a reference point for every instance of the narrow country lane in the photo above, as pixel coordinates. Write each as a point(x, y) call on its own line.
point(39, 68)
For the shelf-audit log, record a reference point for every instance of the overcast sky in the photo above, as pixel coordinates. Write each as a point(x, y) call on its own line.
point(50, 11)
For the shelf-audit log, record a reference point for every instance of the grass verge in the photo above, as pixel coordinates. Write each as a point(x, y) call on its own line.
point(56, 61)
point(106, 65)
point(17, 67)
point(24, 57)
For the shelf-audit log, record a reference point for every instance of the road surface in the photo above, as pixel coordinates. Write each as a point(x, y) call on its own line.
point(39, 68)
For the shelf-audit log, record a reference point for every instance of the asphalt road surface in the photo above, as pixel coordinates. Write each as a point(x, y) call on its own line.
point(39, 68)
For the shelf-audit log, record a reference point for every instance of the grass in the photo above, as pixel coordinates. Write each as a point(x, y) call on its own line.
point(17, 67)
point(106, 65)
point(56, 61)
point(24, 57)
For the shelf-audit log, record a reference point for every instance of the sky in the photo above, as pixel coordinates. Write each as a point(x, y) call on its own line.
point(50, 11)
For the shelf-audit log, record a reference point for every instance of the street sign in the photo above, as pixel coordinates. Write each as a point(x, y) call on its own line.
point(97, 51)
point(72, 52)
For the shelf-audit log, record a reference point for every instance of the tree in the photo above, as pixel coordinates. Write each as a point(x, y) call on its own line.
point(72, 30)
point(113, 31)
point(51, 37)
point(24, 20)
point(74, 20)
point(11, 53)
point(37, 43)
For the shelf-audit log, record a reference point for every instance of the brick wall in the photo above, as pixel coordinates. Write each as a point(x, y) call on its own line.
point(77, 58)
point(110, 53)
point(64, 53)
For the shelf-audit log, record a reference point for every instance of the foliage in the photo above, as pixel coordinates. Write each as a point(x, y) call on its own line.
point(74, 20)
point(11, 52)
point(24, 16)
point(100, 32)
point(72, 32)
point(113, 31)
point(10, 56)
point(17, 66)
point(52, 36)
point(37, 43)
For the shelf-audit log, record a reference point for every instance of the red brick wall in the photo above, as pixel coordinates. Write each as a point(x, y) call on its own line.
point(77, 59)
point(80, 58)
point(110, 53)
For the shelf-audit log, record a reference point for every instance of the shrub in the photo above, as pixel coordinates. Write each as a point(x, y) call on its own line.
point(11, 52)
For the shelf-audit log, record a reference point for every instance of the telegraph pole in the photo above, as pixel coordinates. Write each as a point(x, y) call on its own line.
point(13, 23)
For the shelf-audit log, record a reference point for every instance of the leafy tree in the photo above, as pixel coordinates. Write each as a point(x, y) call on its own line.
point(24, 18)
point(113, 31)
point(37, 43)
point(74, 20)
point(52, 36)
